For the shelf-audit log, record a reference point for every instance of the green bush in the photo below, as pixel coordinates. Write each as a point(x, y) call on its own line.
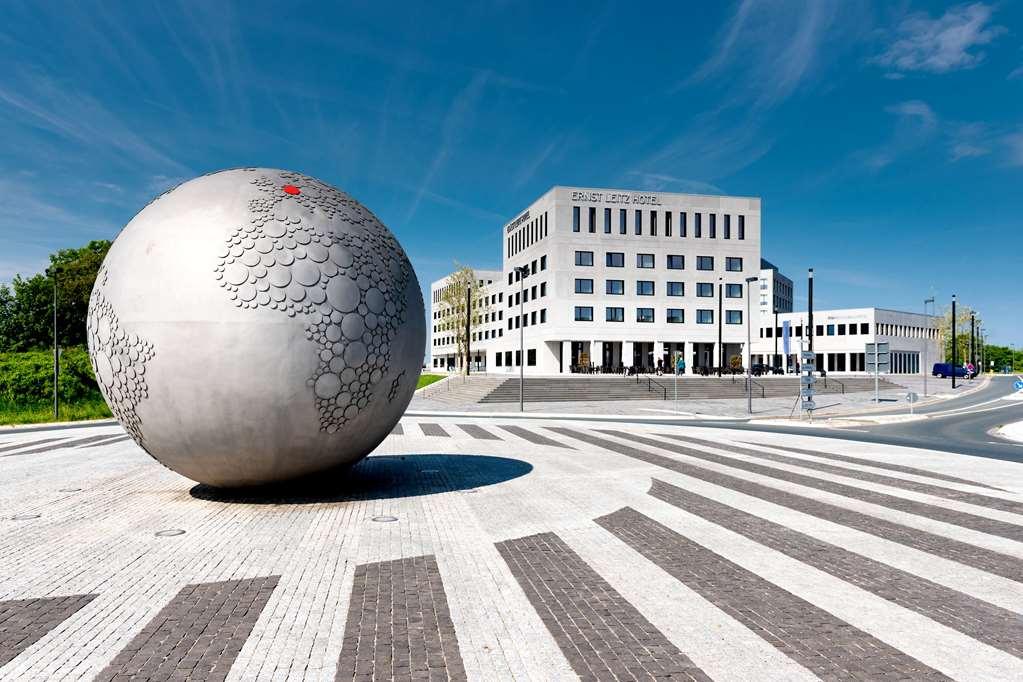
point(27, 378)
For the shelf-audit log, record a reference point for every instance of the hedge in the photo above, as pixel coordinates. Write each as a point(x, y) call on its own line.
point(27, 378)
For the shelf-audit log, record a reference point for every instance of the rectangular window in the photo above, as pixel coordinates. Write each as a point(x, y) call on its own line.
point(841, 330)
point(682, 224)
point(622, 229)
point(742, 227)
point(697, 225)
point(509, 278)
point(733, 264)
point(676, 262)
point(713, 226)
point(639, 222)
point(704, 289)
point(728, 226)
point(676, 289)
point(614, 314)
point(653, 223)
point(584, 286)
point(676, 316)
point(532, 267)
point(644, 288)
point(667, 223)
point(607, 221)
point(818, 330)
point(584, 258)
point(543, 262)
point(644, 260)
point(733, 291)
point(702, 262)
point(852, 328)
point(584, 313)
point(507, 358)
point(575, 218)
point(533, 290)
point(532, 317)
point(531, 357)
point(831, 330)
point(518, 358)
point(592, 219)
point(733, 317)
point(497, 359)
point(614, 259)
point(543, 289)
point(543, 315)
point(864, 327)
point(615, 287)
point(644, 314)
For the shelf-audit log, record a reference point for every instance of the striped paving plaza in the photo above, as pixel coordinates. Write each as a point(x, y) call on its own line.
point(516, 549)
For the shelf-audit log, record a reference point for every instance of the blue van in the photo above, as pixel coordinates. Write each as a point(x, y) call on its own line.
point(944, 369)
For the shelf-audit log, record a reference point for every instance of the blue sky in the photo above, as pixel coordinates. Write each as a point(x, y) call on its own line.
point(886, 139)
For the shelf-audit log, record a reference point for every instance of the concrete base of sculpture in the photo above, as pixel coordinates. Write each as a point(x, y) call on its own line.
point(254, 326)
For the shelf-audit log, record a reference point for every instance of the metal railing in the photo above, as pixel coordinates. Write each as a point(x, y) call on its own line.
point(840, 384)
point(650, 383)
point(759, 385)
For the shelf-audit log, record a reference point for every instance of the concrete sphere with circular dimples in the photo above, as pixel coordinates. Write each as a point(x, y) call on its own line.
point(253, 326)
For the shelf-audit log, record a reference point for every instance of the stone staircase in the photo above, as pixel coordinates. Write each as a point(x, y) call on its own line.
point(643, 387)
point(460, 390)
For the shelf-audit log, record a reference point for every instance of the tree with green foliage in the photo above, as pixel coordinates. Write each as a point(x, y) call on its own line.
point(963, 313)
point(26, 306)
point(454, 297)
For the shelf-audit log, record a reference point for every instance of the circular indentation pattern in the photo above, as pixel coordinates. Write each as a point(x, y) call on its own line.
point(385, 519)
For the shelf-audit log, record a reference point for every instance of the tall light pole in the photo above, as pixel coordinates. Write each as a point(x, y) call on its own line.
point(522, 271)
point(721, 345)
point(954, 363)
point(973, 334)
point(809, 310)
point(468, 328)
point(749, 348)
point(53, 272)
point(927, 341)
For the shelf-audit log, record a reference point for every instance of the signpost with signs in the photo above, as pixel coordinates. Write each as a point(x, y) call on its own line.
point(911, 398)
point(878, 360)
point(807, 366)
point(1018, 385)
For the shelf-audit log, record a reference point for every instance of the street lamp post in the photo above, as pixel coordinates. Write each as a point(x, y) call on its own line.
point(522, 271)
point(721, 346)
point(468, 328)
point(927, 340)
point(973, 334)
point(749, 349)
point(809, 311)
point(56, 354)
point(954, 363)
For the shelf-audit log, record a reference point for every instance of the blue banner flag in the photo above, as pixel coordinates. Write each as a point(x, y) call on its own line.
point(785, 332)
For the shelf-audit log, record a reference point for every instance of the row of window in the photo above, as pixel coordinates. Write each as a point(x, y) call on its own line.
point(527, 235)
point(616, 287)
point(584, 313)
point(652, 219)
point(527, 319)
point(476, 321)
point(530, 358)
point(476, 336)
point(851, 329)
point(515, 276)
point(438, 295)
point(616, 259)
point(536, 291)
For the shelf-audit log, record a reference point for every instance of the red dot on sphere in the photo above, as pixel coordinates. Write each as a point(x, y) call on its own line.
point(291, 189)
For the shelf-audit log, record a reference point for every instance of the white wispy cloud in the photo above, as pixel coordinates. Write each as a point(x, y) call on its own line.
point(915, 124)
point(939, 45)
point(1014, 148)
point(1016, 73)
point(660, 182)
point(533, 164)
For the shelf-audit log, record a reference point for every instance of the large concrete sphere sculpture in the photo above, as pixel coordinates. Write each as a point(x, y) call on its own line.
point(253, 326)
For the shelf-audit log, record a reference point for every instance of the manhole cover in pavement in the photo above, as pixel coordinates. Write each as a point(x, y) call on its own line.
point(385, 519)
point(170, 532)
point(24, 517)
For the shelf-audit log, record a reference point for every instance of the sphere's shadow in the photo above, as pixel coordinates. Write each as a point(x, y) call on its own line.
point(381, 477)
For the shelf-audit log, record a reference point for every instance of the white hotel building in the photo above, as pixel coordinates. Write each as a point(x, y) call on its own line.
point(617, 279)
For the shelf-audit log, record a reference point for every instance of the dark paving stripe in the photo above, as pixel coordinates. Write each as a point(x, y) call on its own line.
point(433, 430)
point(532, 436)
point(915, 486)
point(197, 635)
point(478, 432)
point(986, 560)
point(23, 622)
point(398, 430)
point(15, 446)
point(115, 439)
point(824, 644)
point(399, 626)
point(877, 465)
point(973, 521)
point(66, 444)
point(602, 635)
point(1001, 628)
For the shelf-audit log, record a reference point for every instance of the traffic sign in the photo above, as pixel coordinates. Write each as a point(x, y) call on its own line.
point(809, 405)
point(1018, 385)
point(808, 380)
point(806, 393)
point(808, 356)
point(970, 367)
point(912, 397)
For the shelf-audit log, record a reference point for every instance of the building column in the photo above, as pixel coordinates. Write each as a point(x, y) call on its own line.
point(658, 352)
point(627, 354)
point(596, 353)
point(566, 357)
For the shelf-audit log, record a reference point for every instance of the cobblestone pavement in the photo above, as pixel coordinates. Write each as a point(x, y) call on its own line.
point(474, 548)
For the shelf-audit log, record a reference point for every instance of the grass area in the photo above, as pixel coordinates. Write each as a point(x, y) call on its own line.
point(38, 413)
point(427, 379)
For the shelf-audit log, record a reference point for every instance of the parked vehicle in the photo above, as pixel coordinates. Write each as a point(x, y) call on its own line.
point(945, 369)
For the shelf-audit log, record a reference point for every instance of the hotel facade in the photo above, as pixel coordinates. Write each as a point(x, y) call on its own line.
point(599, 280)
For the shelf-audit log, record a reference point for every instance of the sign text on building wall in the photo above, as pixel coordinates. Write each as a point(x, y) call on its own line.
point(518, 221)
point(617, 198)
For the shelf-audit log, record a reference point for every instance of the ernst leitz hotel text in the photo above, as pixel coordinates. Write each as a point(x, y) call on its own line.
point(605, 280)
